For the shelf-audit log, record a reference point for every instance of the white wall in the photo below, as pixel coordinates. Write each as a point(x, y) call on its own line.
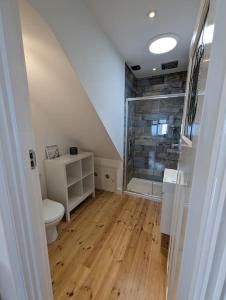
point(61, 110)
point(47, 133)
point(99, 66)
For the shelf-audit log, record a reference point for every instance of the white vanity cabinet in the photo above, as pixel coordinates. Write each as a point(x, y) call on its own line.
point(70, 179)
point(169, 184)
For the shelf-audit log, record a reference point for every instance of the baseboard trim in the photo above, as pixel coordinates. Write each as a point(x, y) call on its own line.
point(119, 191)
point(147, 197)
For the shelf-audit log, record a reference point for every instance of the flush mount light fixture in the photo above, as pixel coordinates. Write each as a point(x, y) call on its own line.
point(163, 43)
point(152, 14)
point(154, 69)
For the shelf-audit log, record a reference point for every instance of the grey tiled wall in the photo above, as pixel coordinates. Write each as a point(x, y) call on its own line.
point(172, 83)
point(148, 154)
point(130, 83)
point(130, 141)
point(153, 151)
point(161, 85)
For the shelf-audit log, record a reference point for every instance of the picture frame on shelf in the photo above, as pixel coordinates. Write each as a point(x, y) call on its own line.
point(52, 152)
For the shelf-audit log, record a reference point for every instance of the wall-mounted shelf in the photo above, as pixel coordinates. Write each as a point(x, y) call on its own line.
point(70, 179)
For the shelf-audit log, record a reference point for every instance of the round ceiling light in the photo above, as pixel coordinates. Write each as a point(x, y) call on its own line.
point(163, 43)
point(152, 14)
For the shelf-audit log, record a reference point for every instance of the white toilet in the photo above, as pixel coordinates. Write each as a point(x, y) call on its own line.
point(53, 213)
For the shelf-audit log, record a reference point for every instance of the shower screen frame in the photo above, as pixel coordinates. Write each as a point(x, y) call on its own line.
point(128, 100)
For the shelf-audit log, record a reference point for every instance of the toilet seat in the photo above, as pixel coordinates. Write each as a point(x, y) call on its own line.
point(52, 210)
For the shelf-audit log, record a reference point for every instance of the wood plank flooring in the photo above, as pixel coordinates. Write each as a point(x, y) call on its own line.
point(110, 250)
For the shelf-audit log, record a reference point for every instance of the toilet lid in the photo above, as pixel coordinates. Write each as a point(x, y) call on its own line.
point(52, 210)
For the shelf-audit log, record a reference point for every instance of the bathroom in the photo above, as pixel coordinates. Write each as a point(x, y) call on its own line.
point(109, 138)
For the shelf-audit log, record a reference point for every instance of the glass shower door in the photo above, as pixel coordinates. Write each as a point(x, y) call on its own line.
point(152, 140)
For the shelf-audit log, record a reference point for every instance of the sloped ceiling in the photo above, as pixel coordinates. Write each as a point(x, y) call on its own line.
point(55, 87)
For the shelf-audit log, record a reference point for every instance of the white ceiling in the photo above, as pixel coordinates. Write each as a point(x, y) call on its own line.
point(127, 25)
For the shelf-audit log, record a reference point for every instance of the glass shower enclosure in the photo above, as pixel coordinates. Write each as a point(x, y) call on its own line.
point(152, 137)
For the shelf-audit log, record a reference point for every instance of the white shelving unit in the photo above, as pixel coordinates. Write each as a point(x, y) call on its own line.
point(70, 179)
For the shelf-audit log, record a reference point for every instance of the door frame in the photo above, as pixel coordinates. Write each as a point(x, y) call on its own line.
point(21, 203)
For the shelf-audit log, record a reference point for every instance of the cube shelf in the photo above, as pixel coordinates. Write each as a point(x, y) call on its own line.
point(88, 183)
point(87, 166)
point(70, 179)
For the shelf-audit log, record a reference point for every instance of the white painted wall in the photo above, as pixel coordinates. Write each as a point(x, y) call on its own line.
point(61, 110)
point(47, 133)
point(97, 63)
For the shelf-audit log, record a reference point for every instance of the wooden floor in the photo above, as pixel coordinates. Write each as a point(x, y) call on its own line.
point(110, 250)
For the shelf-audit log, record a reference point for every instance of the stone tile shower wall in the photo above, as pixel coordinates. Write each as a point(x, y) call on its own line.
point(172, 83)
point(130, 141)
point(157, 125)
point(161, 85)
point(130, 91)
point(148, 154)
point(130, 83)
